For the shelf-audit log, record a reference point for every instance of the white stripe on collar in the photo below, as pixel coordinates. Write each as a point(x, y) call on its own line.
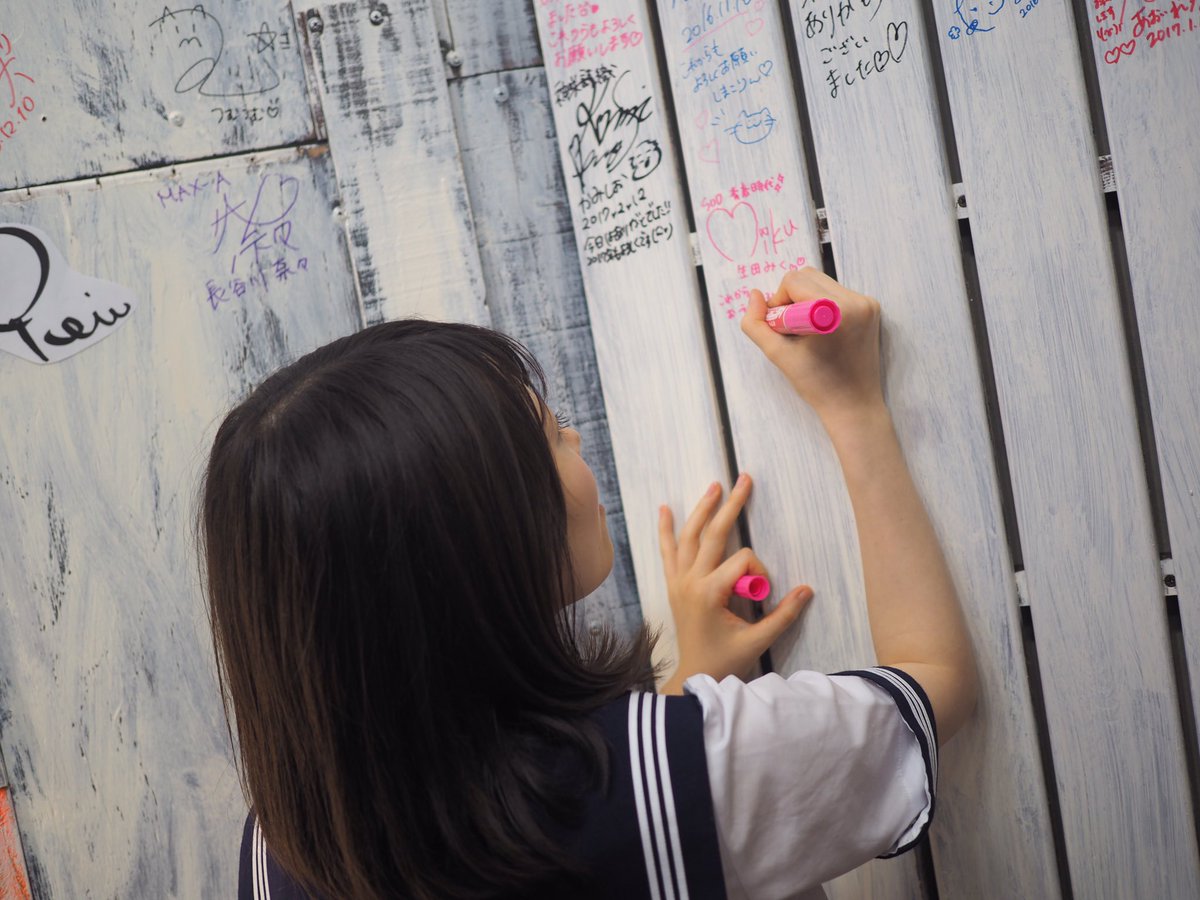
point(635, 764)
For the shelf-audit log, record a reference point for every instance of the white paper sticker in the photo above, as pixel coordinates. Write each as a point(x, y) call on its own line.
point(48, 311)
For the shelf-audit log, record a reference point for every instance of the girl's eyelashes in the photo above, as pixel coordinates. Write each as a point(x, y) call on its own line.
point(564, 421)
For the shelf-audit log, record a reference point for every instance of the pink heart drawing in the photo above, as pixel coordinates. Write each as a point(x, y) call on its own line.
point(733, 232)
point(754, 26)
point(701, 118)
point(709, 153)
point(1113, 54)
point(758, 7)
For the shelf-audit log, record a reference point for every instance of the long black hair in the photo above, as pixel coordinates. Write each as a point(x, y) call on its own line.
point(384, 542)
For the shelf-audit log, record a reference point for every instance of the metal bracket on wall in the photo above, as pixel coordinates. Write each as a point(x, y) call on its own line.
point(1170, 586)
point(1022, 588)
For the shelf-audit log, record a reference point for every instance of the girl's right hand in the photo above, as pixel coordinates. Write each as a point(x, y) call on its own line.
point(836, 373)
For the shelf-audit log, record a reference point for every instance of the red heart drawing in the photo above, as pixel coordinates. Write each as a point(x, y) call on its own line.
point(709, 153)
point(733, 232)
point(701, 118)
point(1113, 54)
point(754, 26)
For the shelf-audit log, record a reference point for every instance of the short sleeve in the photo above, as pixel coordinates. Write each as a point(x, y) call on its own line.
point(815, 774)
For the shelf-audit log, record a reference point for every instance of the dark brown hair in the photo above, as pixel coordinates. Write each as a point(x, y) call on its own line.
point(383, 539)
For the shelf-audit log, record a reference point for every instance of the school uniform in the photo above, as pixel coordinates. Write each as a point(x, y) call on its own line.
point(757, 790)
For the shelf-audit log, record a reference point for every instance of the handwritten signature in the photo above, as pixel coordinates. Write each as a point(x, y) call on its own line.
point(609, 130)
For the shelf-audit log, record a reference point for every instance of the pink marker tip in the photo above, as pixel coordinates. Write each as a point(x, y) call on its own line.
point(752, 587)
point(821, 316)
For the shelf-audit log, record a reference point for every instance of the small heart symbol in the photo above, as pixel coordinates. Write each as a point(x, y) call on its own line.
point(1111, 56)
point(754, 26)
point(894, 33)
point(702, 119)
point(731, 230)
point(882, 58)
point(764, 68)
point(709, 152)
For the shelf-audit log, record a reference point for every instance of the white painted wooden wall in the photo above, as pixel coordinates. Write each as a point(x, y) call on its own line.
point(487, 163)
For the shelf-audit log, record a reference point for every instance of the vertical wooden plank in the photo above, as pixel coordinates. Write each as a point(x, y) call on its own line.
point(112, 725)
point(642, 294)
point(887, 189)
point(489, 37)
point(84, 91)
point(755, 220)
point(387, 115)
point(1037, 218)
point(534, 285)
point(1148, 59)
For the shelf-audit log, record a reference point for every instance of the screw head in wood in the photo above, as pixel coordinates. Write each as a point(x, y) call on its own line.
point(376, 16)
point(315, 25)
point(501, 94)
point(454, 59)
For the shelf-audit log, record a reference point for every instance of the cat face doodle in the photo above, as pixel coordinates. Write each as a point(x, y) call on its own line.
point(48, 311)
point(194, 41)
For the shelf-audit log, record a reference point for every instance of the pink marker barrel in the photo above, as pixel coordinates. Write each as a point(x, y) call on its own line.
point(821, 316)
point(752, 587)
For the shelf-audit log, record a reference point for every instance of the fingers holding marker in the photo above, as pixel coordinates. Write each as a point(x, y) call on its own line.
point(754, 324)
point(741, 564)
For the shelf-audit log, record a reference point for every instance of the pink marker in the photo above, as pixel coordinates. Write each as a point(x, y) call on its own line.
point(752, 587)
point(810, 317)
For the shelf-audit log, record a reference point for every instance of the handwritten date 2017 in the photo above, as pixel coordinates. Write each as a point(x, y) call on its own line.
point(1154, 24)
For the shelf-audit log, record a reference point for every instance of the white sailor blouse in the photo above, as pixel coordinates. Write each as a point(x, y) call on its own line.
point(757, 790)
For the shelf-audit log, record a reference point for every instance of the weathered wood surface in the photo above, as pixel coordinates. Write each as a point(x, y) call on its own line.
point(1148, 61)
point(738, 122)
point(1046, 274)
point(497, 36)
point(387, 114)
point(92, 87)
point(894, 227)
point(616, 148)
point(110, 718)
point(534, 286)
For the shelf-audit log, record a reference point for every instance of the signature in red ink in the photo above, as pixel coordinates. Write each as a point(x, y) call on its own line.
point(20, 102)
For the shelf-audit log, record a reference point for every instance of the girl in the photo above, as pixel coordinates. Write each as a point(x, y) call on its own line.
point(393, 529)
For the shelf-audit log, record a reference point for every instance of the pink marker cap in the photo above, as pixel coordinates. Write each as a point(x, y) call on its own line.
point(821, 316)
point(752, 587)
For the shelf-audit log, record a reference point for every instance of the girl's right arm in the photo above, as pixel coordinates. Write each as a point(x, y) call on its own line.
point(916, 621)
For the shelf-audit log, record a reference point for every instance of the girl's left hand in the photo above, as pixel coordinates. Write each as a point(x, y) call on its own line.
point(712, 639)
